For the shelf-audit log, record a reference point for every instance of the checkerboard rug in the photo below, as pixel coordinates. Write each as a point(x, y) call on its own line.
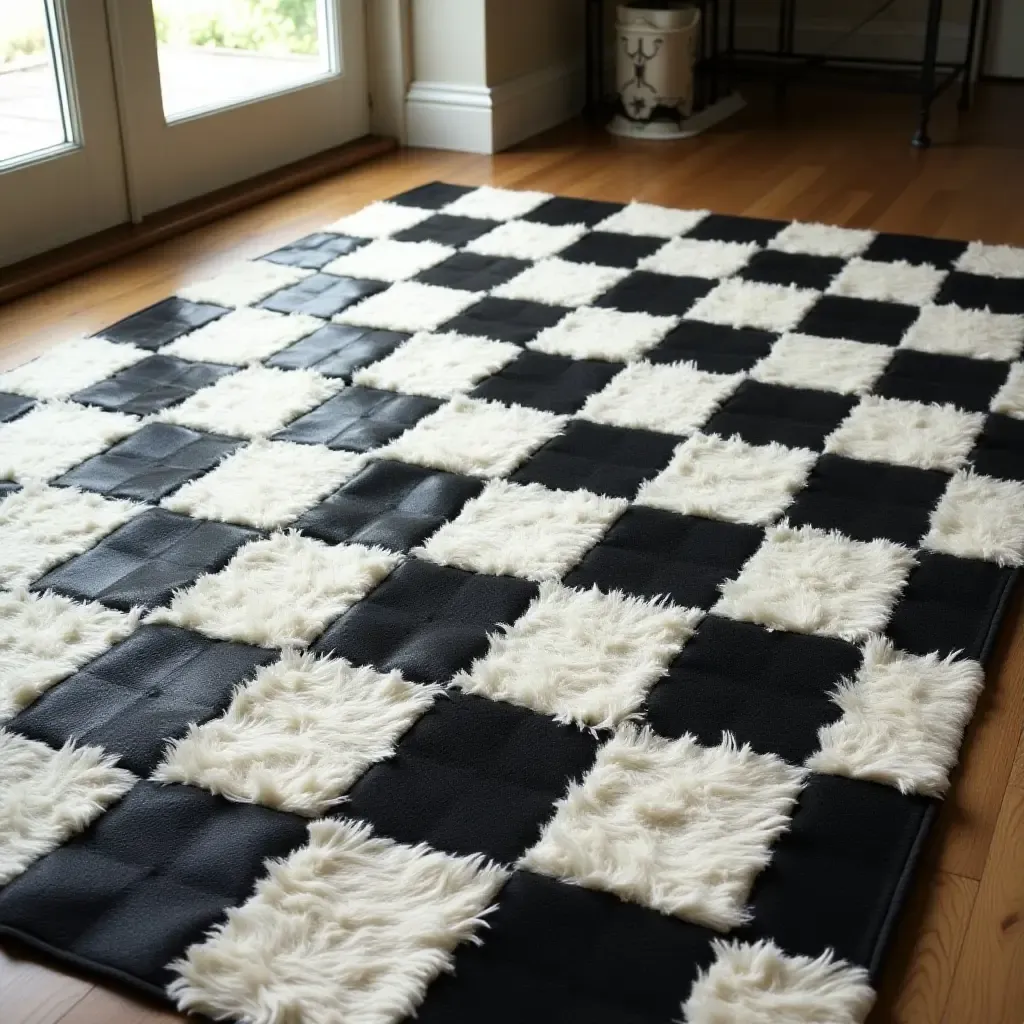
point(502, 607)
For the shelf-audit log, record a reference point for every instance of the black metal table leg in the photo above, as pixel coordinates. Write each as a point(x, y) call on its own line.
point(921, 139)
point(966, 85)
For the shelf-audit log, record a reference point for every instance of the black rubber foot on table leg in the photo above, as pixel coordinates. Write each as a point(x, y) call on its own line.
point(921, 139)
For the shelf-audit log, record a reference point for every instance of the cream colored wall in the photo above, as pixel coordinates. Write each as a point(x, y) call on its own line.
point(527, 36)
point(449, 41)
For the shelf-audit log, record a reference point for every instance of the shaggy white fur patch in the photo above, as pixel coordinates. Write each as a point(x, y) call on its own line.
point(769, 307)
point(929, 436)
point(759, 984)
point(828, 364)
point(950, 330)
point(278, 592)
point(727, 478)
point(992, 260)
point(409, 306)
point(526, 240)
point(243, 336)
point(581, 656)
point(1009, 399)
point(379, 220)
point(821, 240)
point(808, 580)
point(558, 282)
point(675, 398)
point(903, 719)
point(265, 484)
point(693, 257)
point(388, 260)
point(347, 928)
point(487, 203)
point(439, 365)
point(54, 436)
point(243, 283)
point(594, 333)
point(651, 220)
point(523, 530)
point(255, 401)
point(980, 517)
point(913, 284)
point(40, 527)
point(475, 437)
point(672, 825)
point(61, 371)
point(298, 735)
point(48, 795)
point(44, 638)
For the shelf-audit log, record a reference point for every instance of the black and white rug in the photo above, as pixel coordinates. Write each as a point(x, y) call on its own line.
point(501, 607)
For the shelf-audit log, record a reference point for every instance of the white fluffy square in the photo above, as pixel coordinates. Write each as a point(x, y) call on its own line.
point(388, 260)
point(40, 527)
point(808, 580)
point(693, 257)
point(243, 284)
point(769, 307)
point(379, 220)
point(255, 401)
point(822, 240)
point(475, 437)
point(977, 333)
point(243, 336)
point(278, 592)
point(654, 221)
point(591, 332)
point(558, 282)
point(1009, 399)
point(927, 436)
point(51, 438)
point(409, 306)
point(61, 371)
point(523, 530)
point(347, 928)
point(671, 825)
point(913, 284)
point(526, 240)
point(46, 637)
point(903, 719)
point(437, 365)
point(979, 517)
point(299, 734)
point(992, 260)
point(487, 203)
point(580, 655)
point(674, 398)
point(826, 364)
point(266, 484)
point(727, 478)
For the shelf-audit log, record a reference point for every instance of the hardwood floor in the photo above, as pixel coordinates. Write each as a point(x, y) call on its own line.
point(958, 956)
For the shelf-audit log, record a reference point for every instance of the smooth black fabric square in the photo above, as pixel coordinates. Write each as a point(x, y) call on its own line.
point(555, 383)
point(148, 878)
point(598, 458)
point(471, 272)
point(837, 316)
point(796, 417)
point(659, 294)
point(151, 463)
point(928, 377)
point(428, 621)
point(939, 252)
point(431, 196)
point(338, 351)
point(322, 295)
point(976, 291)
point(948, 605)
point(153, 384)
point(769, 688)
point(447, 230)
point(473, 776)
point(568, 210)
point(610, 249)
point(13, 406)
point(359, 419)
point(389, 503)
point(512, 320)
point(790, 268)
point(865, 500)
point(999, 449)
point(653, 553)
point(163, 322)
point(555, 953)
point(833, 875)
point(315, 251)
point(713, 347)
point(142, 692)
point(144, 561)
point(721, 227)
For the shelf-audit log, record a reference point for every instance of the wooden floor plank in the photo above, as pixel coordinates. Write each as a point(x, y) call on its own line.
point(32, 993)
